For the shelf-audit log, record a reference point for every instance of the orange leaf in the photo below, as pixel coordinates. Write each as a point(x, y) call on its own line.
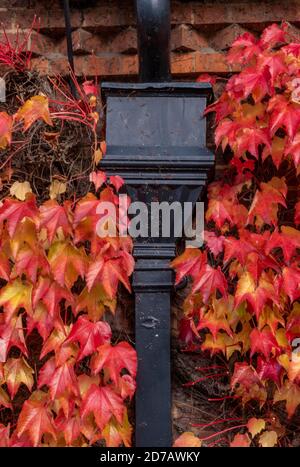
point(35, 108)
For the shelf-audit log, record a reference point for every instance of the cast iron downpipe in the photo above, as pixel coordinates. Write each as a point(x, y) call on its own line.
point(153, 29)
point(68, 25)
point(156, 140)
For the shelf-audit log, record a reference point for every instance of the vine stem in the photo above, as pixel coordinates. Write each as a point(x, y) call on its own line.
point(223, 431)
point(216, 375)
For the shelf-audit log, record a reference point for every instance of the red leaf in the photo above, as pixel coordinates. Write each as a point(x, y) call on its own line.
point(54, 216)
point(35, 420)
point(115, 359)
point(283, 114)
point(264, 342)
point(12, 334)
point(288, 240)
point(90, 88)
point(116, 181)
point(187, 264)
point(51, 294)
point(97, 178)
point(61, 380)
point(104, 403)
point(89, 335)
point(215, 243)
point(244, 375)
point(209, 281)
point(6, 126)
point(13, 212)
point(269, 370)
point(4, 436)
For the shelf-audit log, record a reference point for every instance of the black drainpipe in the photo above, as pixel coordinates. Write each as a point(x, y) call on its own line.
point(69, 42)
point(153, 28)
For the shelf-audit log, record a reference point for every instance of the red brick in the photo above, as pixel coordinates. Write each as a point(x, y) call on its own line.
point(186, 39)
point(119, 65)
point(82, 42)
point(51, 20)
point(107, 16)
point(224, 37)
point(85, 42)
point(125, 41)
point(223, 13)
point(197, 62)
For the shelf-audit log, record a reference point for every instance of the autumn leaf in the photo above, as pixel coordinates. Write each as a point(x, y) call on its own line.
point(61, 379)
point(13, 212)
point(54, 217)
point(98, 178)
point(57, 187)
point(42, 320)
point(215, 243)
point(219, 212)
point(108, 273)
point(67, 263)
point(116, 434)
point(116, 181)
point(208, 281)
point(35, 420)
point(214, 320)
point(15, 295)
point(115, 359)
point(35, 108)
point(268, 439)
point(56, 343)
point(4, 402)
point(288, 240)
point(17, 372)
point(20, 190)
point(6, 126)
point(255, 426)
point(89, 335)
point(187, 440)
point(256, 295)
point(126, 386)
point(291, 282)
point(244, 375)
point(70, 427)
point(283, 114)
point(30, 262)
point(189, 263)
point(4, 435)
point(240, 441)
point(104, 403)
point(95, 302)
point(269, 370)
point(12, 335)
point(264, 342)
point(290, 393)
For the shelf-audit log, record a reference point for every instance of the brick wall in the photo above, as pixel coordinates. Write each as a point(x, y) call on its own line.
point(104, 34)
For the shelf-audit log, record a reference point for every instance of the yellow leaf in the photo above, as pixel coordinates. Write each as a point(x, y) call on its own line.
point(33, 109)
point(268, 439)
point(97, 156)
point(20, 190)
point(255, 426)
point(15, 295)
point(17, 372)
point(57, 188)
point(115, 433)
